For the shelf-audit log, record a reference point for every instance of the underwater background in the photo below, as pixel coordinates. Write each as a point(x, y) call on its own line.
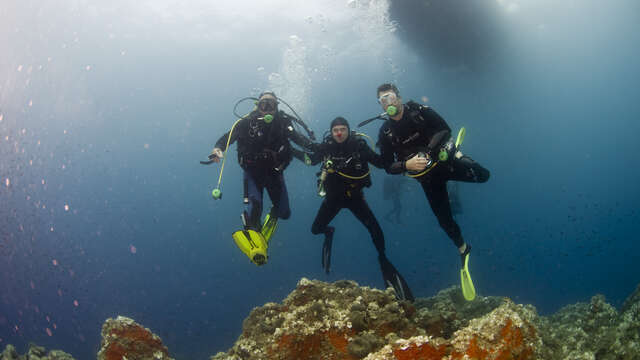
point(106, 109)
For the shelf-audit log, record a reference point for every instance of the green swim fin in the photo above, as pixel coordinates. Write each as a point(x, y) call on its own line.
point(468, 290)
point(460, 137)
point(269, 226)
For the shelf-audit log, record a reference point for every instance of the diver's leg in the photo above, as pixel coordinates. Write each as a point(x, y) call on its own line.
point(328, 210)
point(254, 206)
point(435, 188)
point(362, 212)
point(279, 196)
point(467, 170)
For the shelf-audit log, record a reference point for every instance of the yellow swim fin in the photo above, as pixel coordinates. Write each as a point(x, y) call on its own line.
point(468, 290)
point(252, 244)
point(269, 227)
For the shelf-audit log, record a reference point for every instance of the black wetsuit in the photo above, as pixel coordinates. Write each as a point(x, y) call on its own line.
point(344, 183)
point(421, 129)
point(264, 151)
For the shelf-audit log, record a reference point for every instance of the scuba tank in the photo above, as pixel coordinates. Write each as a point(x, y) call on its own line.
point(322, 192)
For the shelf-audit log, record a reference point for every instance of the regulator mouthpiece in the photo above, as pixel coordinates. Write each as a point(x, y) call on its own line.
point(443, 155)
point(216, 194)
point(392, 110)
point(268, 118)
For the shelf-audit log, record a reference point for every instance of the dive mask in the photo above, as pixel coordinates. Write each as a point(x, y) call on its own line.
point(267, 105)
point(388, 101)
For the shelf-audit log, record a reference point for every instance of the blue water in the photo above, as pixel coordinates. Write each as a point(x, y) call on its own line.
point(106, 110)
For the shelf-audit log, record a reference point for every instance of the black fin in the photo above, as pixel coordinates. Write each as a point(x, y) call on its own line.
point(392, 278)
point(326, 249)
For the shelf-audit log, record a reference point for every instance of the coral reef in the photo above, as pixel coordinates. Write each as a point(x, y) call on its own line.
point(594, 330)
point(334, 321)
point(34, 353)
point(342, 320)
point(123, 338)
point(448, 311)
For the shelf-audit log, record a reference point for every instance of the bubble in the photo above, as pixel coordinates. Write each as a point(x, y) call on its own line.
point(133, 249)
point(19, 68)
point(88, 67)
point(54, 262)
point(146, 146)
point(1, 117)
point(75, 303)
point(260, 68)
point(513, 8)
point(30, 103)
point(66, 207)
point(274, 76)
point(49, 332)
point(7, 182)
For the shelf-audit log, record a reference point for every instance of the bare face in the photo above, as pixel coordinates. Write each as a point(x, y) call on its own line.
point(340, 133)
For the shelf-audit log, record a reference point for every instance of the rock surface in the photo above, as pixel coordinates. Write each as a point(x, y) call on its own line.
point(34, 353)
point(123, 338)
point(344, 321)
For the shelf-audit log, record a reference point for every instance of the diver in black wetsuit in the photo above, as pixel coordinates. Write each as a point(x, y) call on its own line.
point(345, 172)
point(264, 151)
point(412, 141)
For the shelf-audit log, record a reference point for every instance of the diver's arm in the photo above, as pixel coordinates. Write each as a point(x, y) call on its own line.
point(318, 154)
point(298, 154)
point(295, 136)
point(301, 140)
point(370, 155)
point(237, 129)
point(389, 162)
point(435, 124)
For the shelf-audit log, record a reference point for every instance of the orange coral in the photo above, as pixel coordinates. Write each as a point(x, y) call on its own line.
point(133, 339)
point(331, 344)
point(509, 347)
point(421, 352)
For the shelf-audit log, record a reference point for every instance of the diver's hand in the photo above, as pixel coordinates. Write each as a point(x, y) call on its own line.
point(417, 163)
point(216, 155)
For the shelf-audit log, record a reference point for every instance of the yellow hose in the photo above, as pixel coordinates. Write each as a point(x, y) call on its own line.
point(224, 157)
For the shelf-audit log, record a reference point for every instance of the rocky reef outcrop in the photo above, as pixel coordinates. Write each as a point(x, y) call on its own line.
point(344, 321)
point(34, 352)
point(123, 338)
point(593, 331)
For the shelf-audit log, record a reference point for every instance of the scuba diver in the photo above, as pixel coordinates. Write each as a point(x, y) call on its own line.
point(395, 186)
point(264, 152)
point(413, 140)
point(345, 172)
